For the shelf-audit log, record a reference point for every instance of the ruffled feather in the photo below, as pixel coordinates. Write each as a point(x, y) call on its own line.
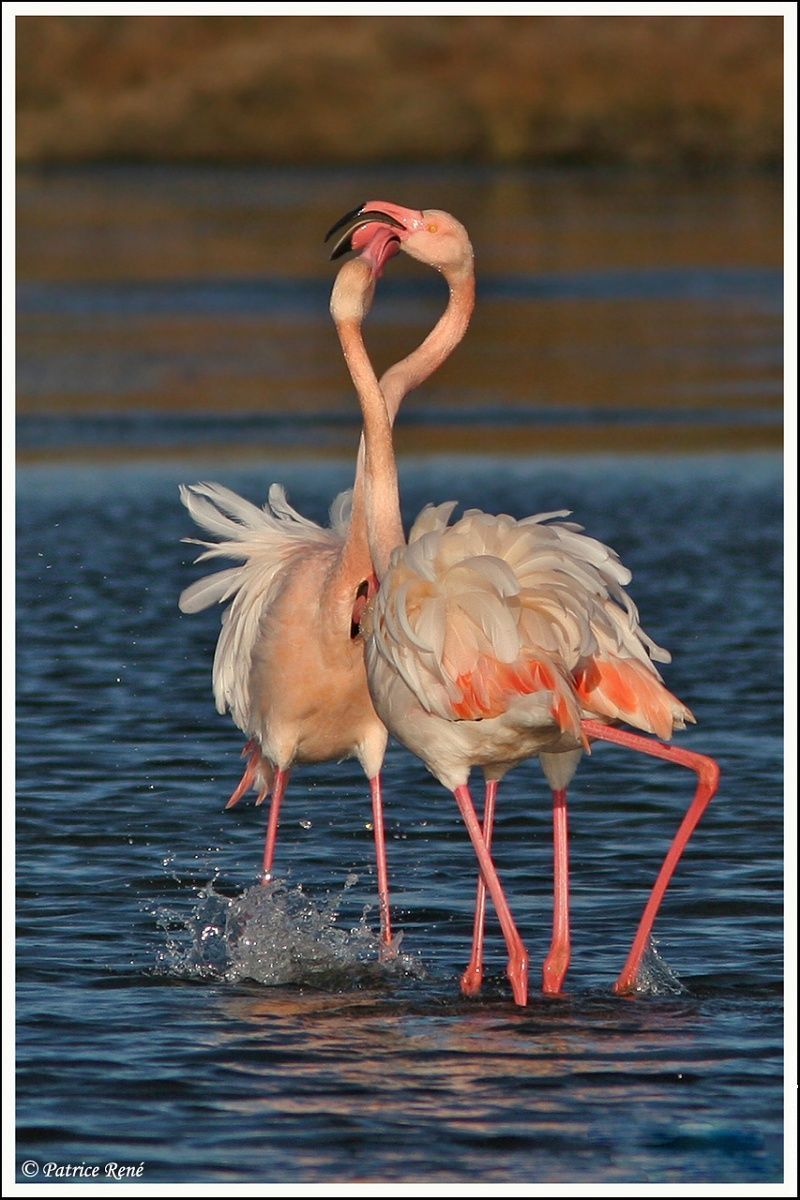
point(475, 615)
point(265, 541)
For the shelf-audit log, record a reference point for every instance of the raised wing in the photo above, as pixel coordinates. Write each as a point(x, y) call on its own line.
point(265, 542)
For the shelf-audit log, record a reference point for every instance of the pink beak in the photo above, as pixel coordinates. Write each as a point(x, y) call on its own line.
point(377, 245)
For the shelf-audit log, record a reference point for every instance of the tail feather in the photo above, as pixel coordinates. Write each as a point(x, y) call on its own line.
point(627, 690)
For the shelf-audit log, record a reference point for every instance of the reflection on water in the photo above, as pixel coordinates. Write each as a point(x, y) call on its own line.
point(614, 310)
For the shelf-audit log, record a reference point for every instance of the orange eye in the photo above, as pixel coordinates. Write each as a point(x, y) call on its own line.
point(431, 228)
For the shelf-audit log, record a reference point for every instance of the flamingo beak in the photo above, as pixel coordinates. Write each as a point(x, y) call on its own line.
point(355, 220)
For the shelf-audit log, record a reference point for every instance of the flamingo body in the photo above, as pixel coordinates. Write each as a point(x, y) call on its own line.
point(288, 622)
point(495, 640)
point(483, 635)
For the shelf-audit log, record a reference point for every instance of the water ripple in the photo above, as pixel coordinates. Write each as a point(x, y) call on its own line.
point(225, 1032)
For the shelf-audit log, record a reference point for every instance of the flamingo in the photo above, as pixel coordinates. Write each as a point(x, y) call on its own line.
point(494, 640)
point(289, 665)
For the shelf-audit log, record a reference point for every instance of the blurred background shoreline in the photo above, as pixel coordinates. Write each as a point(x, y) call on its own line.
point(619, 176)
point(680, 91)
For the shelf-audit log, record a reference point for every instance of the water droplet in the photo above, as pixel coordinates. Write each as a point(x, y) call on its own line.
point(304, 824)
point(274, 935)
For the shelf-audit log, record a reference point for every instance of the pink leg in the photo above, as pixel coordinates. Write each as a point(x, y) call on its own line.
point(517, 954)
point(380, 856)
point(472, 978)
point(252, 749)
point(707, 773)
point(281, 779)
point(557, 961)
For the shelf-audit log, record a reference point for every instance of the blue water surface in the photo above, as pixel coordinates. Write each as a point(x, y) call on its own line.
point(171, 1013)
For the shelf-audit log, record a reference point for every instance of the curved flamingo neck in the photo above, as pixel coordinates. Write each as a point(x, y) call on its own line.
point(440, 343)
point(414, 369)
point(378, 507)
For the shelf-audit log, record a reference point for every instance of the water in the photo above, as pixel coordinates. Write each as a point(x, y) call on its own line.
point(619, 310)
point(172, 1013)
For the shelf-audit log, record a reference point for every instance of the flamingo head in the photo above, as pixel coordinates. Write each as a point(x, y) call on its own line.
point(433, 237)
point(375, 235)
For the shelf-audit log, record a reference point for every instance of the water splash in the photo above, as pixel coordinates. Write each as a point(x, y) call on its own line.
point(656, 977)
point(275, 934)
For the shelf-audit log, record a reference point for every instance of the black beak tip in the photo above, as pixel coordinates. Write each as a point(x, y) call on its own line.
point(343, 221)
point(354, 220)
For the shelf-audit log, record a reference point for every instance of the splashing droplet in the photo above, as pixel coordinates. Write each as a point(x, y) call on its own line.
point(275, 935)
point(656, 977)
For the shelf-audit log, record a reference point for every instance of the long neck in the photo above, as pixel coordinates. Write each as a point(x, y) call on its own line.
point(376, 499)
point(413, 370)
point(440, 343)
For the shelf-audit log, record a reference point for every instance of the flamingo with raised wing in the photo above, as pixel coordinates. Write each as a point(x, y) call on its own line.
point(494, 640)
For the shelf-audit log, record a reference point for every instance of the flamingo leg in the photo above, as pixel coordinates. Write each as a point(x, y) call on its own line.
point(279, 787)
point(472, 978)
point(557, 961)
point(380, 857)
point(252, 749)
point(707, 772)
point(517, 954)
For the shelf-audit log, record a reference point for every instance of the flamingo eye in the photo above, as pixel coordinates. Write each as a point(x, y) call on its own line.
point(432, 228)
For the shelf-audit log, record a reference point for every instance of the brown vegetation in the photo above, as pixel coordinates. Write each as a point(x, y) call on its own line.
point(646, 90)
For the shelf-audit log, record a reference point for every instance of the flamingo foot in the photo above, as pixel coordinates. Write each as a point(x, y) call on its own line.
point(471, 980)
point(252, 753)
point(554, 970)
point(388, 952)
point(517, 972)
point(626, 984)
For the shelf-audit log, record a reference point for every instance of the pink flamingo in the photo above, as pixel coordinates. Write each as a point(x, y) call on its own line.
point(493, 640)
point(289, 663)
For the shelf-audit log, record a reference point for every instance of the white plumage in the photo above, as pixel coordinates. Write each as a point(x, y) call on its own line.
point(493, 616)
point(266, 541)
